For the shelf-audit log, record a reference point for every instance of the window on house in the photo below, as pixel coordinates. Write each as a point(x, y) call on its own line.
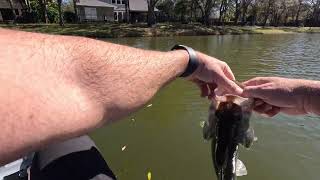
point(113, 1)
point(118, 2)
point(123, 1)
point(120, 16)
point(115, 16)
point(90, 13)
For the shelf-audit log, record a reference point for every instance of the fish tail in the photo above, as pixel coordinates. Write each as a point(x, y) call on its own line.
point(221, 175)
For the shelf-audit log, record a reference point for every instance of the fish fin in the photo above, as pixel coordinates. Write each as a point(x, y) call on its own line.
point(202, 124)
point(207, 134)
point(241, 169)
point(209, 128)
point(249, 138)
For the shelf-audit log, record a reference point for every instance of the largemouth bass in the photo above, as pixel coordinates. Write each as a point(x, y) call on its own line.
point(228, 126)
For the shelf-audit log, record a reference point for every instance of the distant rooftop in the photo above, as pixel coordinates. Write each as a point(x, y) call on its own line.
point(94, 3)
point(17, 4)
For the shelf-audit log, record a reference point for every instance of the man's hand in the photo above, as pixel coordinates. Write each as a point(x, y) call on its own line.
point(213, 73)
point(290, 96)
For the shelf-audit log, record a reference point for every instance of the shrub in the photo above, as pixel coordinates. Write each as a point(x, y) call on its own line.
point(69, 17)
point(27, 17)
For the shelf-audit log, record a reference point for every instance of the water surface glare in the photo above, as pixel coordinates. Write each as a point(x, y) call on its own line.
point(166, 138)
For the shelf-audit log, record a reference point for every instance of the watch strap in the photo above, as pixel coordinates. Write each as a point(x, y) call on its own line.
point(193, 60)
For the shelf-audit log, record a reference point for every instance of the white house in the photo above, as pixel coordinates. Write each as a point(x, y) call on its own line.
point(112, 10)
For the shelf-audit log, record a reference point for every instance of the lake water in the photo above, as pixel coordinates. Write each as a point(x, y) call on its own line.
point(166, 138)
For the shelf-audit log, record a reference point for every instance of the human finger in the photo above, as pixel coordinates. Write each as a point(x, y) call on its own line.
point(274, 111)
point(204, 90)
point(293, 111)
point(258, 91)
point(229, 85)
point(202, 86)
point(220, 91)
point(256, 81)
point(263, 108)
point(258, 102)
point(228, 72)
point(212, 87)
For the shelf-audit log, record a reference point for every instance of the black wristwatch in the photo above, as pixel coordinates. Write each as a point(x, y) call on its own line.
point(193, 60)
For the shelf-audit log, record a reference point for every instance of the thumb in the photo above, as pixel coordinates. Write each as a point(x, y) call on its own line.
point(230, 86)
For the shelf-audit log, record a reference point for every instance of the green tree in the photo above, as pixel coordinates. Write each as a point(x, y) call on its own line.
point(151, 13)
point(206, 7)
point(127, 14)
point(47, 12)
point(12, 9)
point(299, 4)
point(224, 7)
point(60, 12)
point(237, 11)
point(28, 5)
point(43, 5)
point(314, 16)
point(167, 7)
point(244, 9)
point(181, 9)
point(75, 10)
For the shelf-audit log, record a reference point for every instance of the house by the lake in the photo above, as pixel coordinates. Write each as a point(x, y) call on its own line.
point(112, 10)
point(6, 13)
point(95, 10)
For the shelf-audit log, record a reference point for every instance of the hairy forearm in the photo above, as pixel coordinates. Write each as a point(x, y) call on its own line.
point(56, 87)
point(312, 96)
point(125, 78)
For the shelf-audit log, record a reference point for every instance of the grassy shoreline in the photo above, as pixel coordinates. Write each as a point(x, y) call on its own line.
point(113, 30)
